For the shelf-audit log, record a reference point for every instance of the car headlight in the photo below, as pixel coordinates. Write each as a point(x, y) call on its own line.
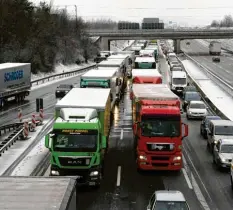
point(66, 91)
point(94, 173)
point(55, 173)
point(189, 112)
point(223, 159)
point(58, 91)
point(177, 158)
point(215, 141)
point(142, 157)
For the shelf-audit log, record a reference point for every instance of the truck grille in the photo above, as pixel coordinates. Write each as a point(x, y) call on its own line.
point(160, 147)
point(160, 158)
point(66, 161)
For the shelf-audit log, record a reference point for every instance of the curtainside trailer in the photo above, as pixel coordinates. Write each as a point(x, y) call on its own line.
point(15, 82)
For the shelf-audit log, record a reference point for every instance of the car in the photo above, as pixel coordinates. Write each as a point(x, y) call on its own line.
point(223, 153)
point(205, 123)
point(216, 59)
point(190, 96)
point(176, 68)
point(190, 88)
point(62, 90)
point(196, 109)
point(167, 200)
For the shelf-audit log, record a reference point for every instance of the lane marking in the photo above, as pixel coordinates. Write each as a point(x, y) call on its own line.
point(118, 176)
point(121, 134)
point(187, 178)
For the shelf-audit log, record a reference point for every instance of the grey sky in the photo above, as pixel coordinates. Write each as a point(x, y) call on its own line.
point(185, 12)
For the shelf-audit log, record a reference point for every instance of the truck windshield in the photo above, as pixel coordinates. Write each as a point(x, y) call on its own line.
point(224, 130)
point(75, 143)
point(179, 81)
point(171, 205)
point(165, 126)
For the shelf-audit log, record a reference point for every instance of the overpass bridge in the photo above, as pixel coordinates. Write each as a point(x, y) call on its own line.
point(174, 34)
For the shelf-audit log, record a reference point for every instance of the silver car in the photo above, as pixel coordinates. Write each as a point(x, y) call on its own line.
point(223, 153)
point(196, 109)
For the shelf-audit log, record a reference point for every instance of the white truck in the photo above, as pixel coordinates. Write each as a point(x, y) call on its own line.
point(178, 81)
point(15, 82)
point(215, 48)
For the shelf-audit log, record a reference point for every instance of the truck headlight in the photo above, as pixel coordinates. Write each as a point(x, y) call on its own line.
point(55, 173)
point(177, 158)
point(142, 157)
point(94, 173)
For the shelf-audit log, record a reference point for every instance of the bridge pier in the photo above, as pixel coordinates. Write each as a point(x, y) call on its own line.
point(177, 46)
point(104, 44)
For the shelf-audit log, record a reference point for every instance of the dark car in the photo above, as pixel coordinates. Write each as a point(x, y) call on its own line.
point(190, 88)
point(62, 90)
point(190, 96)
point(176, 68)
point(205, 123)
point(216, 59)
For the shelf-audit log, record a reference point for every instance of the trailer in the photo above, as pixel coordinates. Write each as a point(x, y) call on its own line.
point(145, 63)
point(80, 135)
point(141, 76)
point(15, 82)
point(215, 48)
point(40, 193)
point(103, 78)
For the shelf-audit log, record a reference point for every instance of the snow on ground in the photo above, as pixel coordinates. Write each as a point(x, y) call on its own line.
point(60, 68)
point(31, 161)
point(119, 45)
point(17, 149)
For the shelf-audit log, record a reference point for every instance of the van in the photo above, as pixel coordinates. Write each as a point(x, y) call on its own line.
point(218, 129)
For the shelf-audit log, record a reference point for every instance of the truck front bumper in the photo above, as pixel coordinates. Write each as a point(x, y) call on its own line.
point(87, 177)
point(159, 162)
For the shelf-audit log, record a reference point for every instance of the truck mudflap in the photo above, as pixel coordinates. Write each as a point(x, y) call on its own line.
point(85, 177)
point(159, 162)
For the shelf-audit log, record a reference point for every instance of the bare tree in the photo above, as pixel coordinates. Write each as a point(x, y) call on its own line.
point(215, 23)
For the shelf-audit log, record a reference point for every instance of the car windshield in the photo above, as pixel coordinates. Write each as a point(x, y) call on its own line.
point(227, 148)
point(64, 86)
point(224, 130)
point(211, 118)
point(75, 143)
point(192, 96)
point(171, 205)
point(164, 126)
point(197, 106)
point(179, 81)
point(176, 69)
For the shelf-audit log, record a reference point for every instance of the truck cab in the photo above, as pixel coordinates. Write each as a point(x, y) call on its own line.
point(145, 63)
point(77, 145)
point(178, 81)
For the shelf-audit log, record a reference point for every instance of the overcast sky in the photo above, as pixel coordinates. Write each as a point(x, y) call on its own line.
point(185, 12)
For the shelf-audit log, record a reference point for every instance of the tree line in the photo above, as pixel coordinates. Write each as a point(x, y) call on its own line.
point(42, 36)
point(227, 21)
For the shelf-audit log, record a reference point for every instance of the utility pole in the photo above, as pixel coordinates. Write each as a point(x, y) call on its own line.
point(76, 17)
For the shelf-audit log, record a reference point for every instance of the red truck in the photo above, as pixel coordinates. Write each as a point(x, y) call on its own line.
point(140, 76)
point(157, 127)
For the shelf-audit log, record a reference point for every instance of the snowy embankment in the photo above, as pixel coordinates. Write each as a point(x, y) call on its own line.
point(60, 68)
point(226, 43)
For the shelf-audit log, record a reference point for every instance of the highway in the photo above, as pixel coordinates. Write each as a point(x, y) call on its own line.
point(199, 50)
point(214, 184)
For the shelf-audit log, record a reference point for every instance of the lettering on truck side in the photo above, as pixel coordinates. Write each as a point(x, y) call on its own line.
point(14, 75)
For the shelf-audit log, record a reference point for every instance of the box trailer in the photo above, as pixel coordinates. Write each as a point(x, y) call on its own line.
point(15, 82)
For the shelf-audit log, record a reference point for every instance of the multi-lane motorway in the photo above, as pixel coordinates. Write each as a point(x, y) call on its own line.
point(123, 187)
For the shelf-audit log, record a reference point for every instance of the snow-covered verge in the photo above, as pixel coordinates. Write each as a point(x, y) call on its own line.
point(226, 43)
point(60, 68)
point(119, 45)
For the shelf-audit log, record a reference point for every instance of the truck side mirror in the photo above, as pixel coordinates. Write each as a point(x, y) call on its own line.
point(131, 95)
point(118, 82)
point(185, 130)
point(48, 140)
point(104, 142)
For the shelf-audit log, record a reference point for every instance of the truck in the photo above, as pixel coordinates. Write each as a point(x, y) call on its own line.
point(145, 63)
point(79, 138)
point(155, 48)
point(15, 83)
point(157, 127)
point(136, 49)
point(126, 58)
point(178, 81)
point(147, 53)
point(103, 78)
point(215, 48)
point(40, 193)
point(140, 76)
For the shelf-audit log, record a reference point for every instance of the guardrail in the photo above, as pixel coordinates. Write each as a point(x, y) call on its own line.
point(64, 74)
point(214, 109)
point(7, 128)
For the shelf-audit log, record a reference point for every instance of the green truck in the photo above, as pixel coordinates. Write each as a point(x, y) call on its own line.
point(103, 78)
point(79, 138)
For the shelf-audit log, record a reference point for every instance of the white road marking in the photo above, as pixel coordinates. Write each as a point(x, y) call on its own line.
point(187, 178)
point(118, 176)
point(122, 132)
